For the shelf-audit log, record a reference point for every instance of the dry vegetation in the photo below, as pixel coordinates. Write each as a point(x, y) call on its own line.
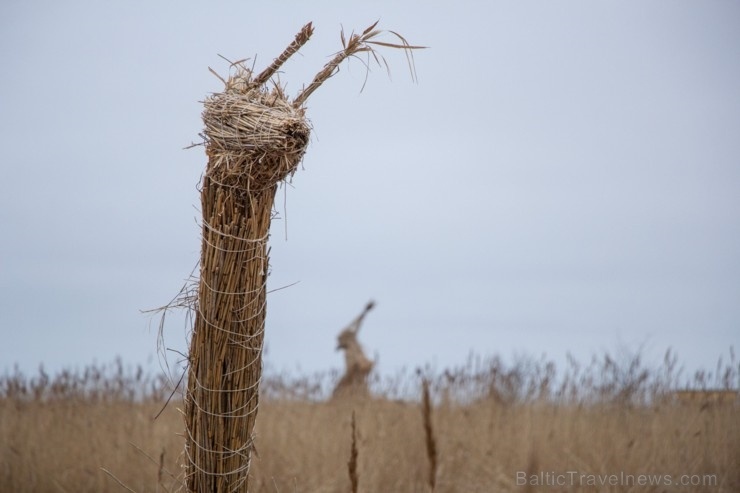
point(485, 426)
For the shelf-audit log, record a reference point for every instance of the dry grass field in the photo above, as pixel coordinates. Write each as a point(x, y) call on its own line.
point(489, 427)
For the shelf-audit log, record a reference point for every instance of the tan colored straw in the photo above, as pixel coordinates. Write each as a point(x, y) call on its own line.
point(254, 139)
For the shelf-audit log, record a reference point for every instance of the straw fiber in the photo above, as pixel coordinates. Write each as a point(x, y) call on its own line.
point(254, 138)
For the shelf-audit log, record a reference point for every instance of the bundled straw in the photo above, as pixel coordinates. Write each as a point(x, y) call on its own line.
point(254, 139)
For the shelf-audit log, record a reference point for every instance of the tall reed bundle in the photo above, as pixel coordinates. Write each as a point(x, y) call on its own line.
point(254, 138)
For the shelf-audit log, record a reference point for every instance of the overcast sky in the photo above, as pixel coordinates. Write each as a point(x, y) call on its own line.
point(564, 177)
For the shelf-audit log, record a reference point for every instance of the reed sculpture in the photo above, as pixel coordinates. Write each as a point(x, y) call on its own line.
point(254, 138)
point(357, 366)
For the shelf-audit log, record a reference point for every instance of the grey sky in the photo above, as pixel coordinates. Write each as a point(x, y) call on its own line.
point(564, 177)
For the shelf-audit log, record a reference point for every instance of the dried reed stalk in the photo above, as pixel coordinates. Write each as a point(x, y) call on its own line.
point(300, 39)
point(358, 43)
point(431, 442)
point(354, 478)
point(254, 138)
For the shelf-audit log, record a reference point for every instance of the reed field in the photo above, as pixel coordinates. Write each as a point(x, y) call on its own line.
point(485, 426)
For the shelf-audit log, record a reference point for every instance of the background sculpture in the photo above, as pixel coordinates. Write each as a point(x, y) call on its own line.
point(357, 365)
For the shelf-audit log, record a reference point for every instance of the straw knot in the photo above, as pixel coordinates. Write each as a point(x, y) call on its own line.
point(254, 137)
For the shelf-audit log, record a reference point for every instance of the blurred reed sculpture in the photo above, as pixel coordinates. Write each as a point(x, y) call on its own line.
point(357, 366)
point(254, 138)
